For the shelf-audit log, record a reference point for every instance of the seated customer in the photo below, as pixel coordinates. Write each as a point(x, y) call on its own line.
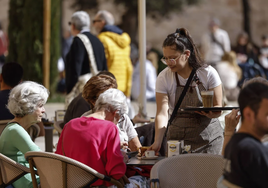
point(10, 77)
point(93, 88)
point(232, 119)
point(94, 140)
point(246, 163)
point(79, 106)
point(26, 103)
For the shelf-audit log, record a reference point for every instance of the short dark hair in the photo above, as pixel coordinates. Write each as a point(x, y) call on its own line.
point(251, 96)
point(12, 73)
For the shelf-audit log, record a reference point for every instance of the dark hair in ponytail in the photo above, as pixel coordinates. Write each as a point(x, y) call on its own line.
point(182, 40)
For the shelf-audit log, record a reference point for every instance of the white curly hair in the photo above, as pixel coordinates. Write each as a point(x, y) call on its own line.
point(26, 97)
point(112, 100)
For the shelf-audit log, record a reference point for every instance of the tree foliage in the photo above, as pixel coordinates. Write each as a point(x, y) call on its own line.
point(25, 33)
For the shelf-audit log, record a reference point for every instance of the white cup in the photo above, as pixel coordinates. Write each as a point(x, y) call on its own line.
point(149, 153)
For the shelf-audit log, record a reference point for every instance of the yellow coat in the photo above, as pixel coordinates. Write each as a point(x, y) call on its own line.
point(117, 52)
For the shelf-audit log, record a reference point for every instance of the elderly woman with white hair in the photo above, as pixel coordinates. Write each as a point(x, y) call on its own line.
point(26, 103)
point(94, 139)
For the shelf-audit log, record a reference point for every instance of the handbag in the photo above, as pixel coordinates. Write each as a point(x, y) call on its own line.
point(181, 98)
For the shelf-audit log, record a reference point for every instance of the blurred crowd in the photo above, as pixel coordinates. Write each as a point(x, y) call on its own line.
point(235, 63)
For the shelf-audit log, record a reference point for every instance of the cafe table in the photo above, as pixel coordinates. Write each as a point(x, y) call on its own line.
point(134, 161)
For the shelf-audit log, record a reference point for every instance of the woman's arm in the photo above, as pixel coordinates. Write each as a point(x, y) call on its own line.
point(217, 98)
point(22, 140)
point(161, 120)
point(134, 144)
point(217, 102)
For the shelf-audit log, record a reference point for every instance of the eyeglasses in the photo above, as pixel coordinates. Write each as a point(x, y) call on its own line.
point(122, 118)
point(69, 23)
point(94, 21)
point(170, 61)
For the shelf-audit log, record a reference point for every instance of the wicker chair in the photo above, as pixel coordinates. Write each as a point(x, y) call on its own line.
point(10, 171)
point(188, 170)
point(59, 171)
point(3, 124)
point(59, 117)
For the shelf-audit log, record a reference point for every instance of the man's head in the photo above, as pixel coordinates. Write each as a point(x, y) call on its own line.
point(101, 19)
point(11, 75)
point(214, 24)
point(264, 40)
point(80, 20)
point(253, 102)
point(97, 85)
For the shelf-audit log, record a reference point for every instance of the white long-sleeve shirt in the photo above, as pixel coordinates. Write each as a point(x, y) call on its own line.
point(150, 80)
point(213, 51)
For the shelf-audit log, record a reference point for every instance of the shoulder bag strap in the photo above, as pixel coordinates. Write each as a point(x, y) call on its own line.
point(91, 57)
point(181, 97)
point(217, 42)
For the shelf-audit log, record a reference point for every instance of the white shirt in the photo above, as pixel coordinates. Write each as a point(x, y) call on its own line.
point(213, 51)
point(150, 80)
point(227, 74)
point(166, 82)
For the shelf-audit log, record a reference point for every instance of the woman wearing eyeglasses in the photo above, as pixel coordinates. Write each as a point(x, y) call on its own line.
point(195, 128)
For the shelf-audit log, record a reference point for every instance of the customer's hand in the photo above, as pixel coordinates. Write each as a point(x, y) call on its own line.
point(139, 119)
point(124, 145)
point(210, 114)
point(124, 180)
point(124, 153)
point(231, 121)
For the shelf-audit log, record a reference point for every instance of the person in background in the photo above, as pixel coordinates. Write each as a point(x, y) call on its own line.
point(117, 49)
point(196, 129)
point(230, 73)
point(150, 77)
point(3, 46)
point(247, 58)
point(94, 139)
point(215, 43)
point(26, 103)
point(10, 77)
point(77, 59)
point(263, 57)
point(246, 157)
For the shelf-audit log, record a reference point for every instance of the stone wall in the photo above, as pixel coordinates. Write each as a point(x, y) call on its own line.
point(194, 18)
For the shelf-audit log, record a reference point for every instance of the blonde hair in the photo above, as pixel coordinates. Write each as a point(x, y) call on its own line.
point(230, 57)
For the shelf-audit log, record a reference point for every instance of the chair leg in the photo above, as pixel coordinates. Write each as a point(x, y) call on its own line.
point(33, 173)
point(64, 171)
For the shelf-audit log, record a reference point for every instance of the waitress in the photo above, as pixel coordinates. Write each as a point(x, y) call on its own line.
point(197, 129)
